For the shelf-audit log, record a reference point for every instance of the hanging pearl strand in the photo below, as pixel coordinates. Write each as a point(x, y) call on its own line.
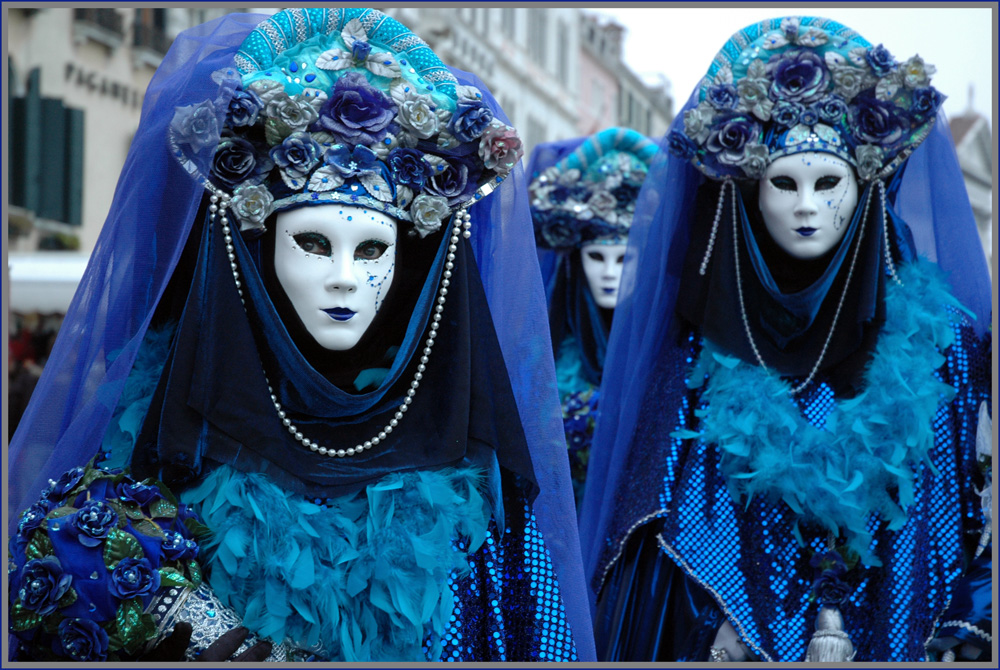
point(836, 314)
point(462, 227)
point(715, 224)
point(885, 232)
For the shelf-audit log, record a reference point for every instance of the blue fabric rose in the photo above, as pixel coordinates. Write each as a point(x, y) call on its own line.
point(66, 483)
point(680, 145)
point(723, 97)
point(351, 162)
point(196, 125)
point(83, 640)
point(831, 109)
point(729, 135)
point(360, 51)
point(32, 518)
point(470, 120)
point(626, 194)
point(455, 182)
point(236, 161)
point(409, 168)
point(809, 116)
point(798, 76)
point(95, 519)
point(244, 108)
point(134, 577)
point(830, 589)
point(561, 231)
point(877, 121)
point(880, 60)
point(357, 112)
point(43, 584)
point(297, 154)
point(925, 103)
point(786, 113)
point(176, 547)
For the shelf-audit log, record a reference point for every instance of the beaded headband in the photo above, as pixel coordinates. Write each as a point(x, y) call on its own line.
point(345, 106)
point(590, 195)
point(796, 84)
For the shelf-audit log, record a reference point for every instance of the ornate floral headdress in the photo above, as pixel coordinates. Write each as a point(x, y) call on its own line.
point(590, 195)
point(797, 84)
point(349, 106)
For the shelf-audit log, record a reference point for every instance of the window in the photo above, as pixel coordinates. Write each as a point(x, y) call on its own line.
point(49, 182)
point(508, 22)
point(537, 42)
point(562, 62)
point(534, 133)
point(150, 30)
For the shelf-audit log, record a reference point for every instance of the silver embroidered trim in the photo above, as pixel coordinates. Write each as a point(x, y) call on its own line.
point(333, 20)
point(744, 638)
point(407, 42)
point(299, 22)
point(209, 620)
point(274, 36)
point(621, 544)
point(965, 625)
point(369, 19)
point(245, 64)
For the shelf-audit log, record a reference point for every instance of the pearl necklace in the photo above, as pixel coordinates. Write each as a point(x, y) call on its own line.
point(462, 226)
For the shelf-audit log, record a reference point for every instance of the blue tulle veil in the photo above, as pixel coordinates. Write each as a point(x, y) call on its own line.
point(154, 207)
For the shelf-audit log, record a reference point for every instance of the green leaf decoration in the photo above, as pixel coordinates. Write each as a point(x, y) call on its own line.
point(173, 577)
point(22, 619)
point(90, 476)
point(162, 509)
point(194, 573)
point(50, 624)
point(127, 620)
point(164, 491)
point(68, 598)
point(116, 506)
point(132, 510)
point(115, 641)
point(148, 528)
point(275, 131)
point(198, 529)
point(60, 512)
point(39, 547)
point(119, 545)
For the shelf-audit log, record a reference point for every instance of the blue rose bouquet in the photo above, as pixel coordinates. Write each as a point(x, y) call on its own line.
point(579, 418)
point(88, 560)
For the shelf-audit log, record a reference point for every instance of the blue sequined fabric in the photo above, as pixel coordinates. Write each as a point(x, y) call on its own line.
point(747, 558)
point(509, 607)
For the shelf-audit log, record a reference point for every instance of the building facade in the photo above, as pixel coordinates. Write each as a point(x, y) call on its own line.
point(76, 81)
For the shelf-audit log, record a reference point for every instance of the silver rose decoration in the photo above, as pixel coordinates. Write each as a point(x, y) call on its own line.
point(916, 73)
point(295, 113)
point(698, 121)
point(427, 212)
point(755, 160)
point(869, 159)
point(252, 205)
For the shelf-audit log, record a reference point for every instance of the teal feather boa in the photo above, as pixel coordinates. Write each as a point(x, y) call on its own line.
point(365, 578)
point(867, 453)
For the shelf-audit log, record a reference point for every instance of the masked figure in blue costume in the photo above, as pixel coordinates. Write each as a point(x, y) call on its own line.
point(786, 466)
point(582, 205)
point(280, 398)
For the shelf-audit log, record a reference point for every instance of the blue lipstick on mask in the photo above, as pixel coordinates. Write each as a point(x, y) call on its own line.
point(805, 231)
point(340, 313)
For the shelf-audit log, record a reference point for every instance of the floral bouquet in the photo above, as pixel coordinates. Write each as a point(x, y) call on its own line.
point(88, 560)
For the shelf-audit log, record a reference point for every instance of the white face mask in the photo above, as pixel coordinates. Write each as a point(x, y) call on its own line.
point(807, 201)
point(335, 263)
point(602, 265)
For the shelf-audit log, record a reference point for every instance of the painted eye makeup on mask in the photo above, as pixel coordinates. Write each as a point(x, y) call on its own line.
point(370, 250)
point(314, 243)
